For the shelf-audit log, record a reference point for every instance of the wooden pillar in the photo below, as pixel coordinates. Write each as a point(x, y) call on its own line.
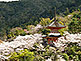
point(48, 40)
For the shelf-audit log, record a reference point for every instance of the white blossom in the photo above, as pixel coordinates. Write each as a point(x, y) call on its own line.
point(48, 59)
point(19, 43)
point(67, 38)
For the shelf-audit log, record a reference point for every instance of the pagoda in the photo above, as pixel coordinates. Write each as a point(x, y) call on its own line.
point(54, 27)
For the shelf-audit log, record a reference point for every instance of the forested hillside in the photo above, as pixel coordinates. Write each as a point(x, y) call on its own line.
point(13, 14)
point(40, 30)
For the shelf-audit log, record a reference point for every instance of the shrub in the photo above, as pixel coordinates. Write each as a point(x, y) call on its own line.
point(72, 52)
point(45, 31)
point(23, 55)
point(16, 32)
point(75, 26)
point(45, 21)
point(30, 27)
point(65, 56)
point(62, 30)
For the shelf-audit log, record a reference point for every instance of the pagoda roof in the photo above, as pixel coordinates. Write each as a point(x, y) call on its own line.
point(56, 34)
point(54, 25)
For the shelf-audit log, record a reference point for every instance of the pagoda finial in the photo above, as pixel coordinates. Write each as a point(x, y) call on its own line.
point(55, 13)
point(55, 19)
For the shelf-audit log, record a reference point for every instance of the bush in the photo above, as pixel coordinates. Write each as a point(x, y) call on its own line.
point(75, 26)
point(23, 55)
point(62, 30)
point(45, 21)
point(30, 27)
point(45, 31)
point(16, 32)
point(72, 52)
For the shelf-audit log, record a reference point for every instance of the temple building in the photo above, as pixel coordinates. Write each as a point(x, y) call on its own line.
point(55, 26)
point(54, 34)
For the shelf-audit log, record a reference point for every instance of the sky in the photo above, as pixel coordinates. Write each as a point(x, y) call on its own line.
point(9, 0)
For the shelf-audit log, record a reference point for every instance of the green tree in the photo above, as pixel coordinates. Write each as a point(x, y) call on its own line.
point(75, 26)
point(45, 21)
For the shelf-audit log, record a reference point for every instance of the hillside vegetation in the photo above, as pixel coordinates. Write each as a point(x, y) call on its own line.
point(24, 35)
point(27, 12)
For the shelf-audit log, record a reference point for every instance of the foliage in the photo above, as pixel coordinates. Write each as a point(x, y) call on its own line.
point(72, 52)
point(67, 11)
point(11, 35)
point(45, 31)
point(15, 32)
point(43, 55)
point(27, 12)
point(65, 56)
point(23, 55)
point(30, 27)
point(61, 22)
point(45, 21)
point(75, 26)
point(62, 30)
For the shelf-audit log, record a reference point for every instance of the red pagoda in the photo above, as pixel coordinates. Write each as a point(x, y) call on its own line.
point(54, 34)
